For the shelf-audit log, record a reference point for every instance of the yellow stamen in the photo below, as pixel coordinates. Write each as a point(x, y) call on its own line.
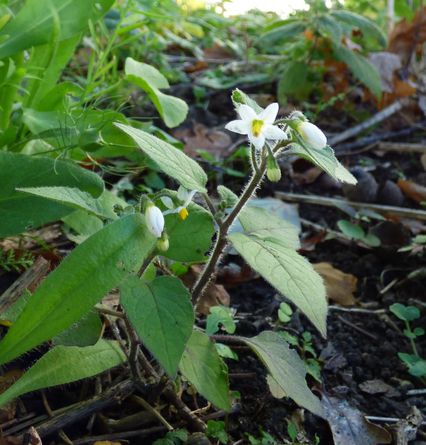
point(183, 213)
point(256, 127)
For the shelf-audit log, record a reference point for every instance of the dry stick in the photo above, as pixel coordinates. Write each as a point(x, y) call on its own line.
point(401, 147)
point(336, 202)
point(379, 117)
point(30, 278)
point(79, 411)
point(357, 328)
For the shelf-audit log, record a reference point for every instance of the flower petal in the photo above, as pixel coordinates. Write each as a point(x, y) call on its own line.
point(237, 126)
point(269, 114)
point(312, 135)
point(246, 113)
point(258, 141)
point(275, 133)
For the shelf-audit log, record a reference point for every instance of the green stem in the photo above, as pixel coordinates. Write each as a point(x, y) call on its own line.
point(413, 343)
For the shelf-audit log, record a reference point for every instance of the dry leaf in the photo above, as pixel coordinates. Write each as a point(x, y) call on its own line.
point(412, 190)
point(202, 138)
point(386, 64)
point(349, 426)
point(340, 286)
point(32, 437)
point(214, 295)
point(377, 386)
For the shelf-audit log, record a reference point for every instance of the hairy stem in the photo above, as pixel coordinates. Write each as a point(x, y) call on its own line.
point(221, 239)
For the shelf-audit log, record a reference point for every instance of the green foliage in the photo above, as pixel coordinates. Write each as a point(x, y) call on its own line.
point(220, 315)
point(39, 21)
point(162, 314)
point(405, 313)
point(86, 332)
point(10, 261)
point(80, 281)
point(169, 159)
point(356, 232)
point(66, 364)
point(216, 430)
point(172, 109)
point(25, 211)
point(286, 368)
point(288, 272)
point(203, 367)
point(285, 312)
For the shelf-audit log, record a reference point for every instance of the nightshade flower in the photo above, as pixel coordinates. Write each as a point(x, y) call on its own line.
point(185, 197)
point(154, 220)
point(312, 135)
point(258, 127)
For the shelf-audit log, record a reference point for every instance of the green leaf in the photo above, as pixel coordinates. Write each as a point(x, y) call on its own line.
point(285, 312)
point(329, 27)
point(286, 270)
point(286, 368)
point(162, 314)
point(86, 332)
point(361, 68)
point(82, 225)
point(366, 26)
point(71, 196)
point(220, 315)
point(25, 211)
point(169, 159)
point(418, 369)
point(265, 225)
point(189, 239)
point(172, 109)
point(39, 21)
point(405, 313)
point(325, 159)
point(203, 367)
point(66, 364)
point(78, 283)
point(228, 197)
point(292, 80)
point(353, 231)
point(283, 31)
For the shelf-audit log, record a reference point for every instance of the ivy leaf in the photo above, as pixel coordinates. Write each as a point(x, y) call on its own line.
point(169, 159)
point(162, 314)
point(78, 283)
point(286, 368)
point(172, 109)
point(286, 270)
point(66, 364)
point(203, 367)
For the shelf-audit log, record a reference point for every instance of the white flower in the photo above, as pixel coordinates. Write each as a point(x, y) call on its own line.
point(185, 197)
point(258, 127)
point(154, 220)
point(312, 135)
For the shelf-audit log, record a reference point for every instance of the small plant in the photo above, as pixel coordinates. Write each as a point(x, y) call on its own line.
point(141, 248)
point(356, 232)
point(11, 261)
point(416, 364)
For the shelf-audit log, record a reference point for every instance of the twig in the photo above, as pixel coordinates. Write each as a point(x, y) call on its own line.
point(377, 118)
point(357, 328)
point(142, 402)
point(416, 392)
point(357, 310)
point(401, 147)
point(112, 396)
point(50, 413)
point(28, 280)
point(336, 202)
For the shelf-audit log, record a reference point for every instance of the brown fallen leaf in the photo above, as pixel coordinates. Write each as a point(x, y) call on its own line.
point(214, 295)
point(377, 386)
point(412, 190)
point(349, 426)
point(199, 137)
point(32, 437)
point(340, 286)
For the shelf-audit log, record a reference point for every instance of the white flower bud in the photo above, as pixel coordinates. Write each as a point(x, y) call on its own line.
point(312, 135)
point(154, 220)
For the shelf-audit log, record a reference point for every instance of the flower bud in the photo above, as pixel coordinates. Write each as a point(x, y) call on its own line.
point(312, 135)
point(154, 219)
point(273, 171)
point(163, 243)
